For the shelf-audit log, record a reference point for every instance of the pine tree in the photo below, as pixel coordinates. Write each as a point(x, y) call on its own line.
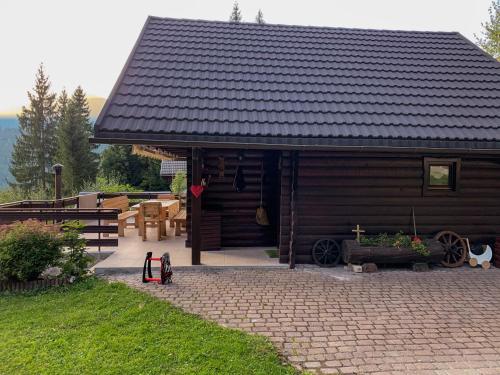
point(74, 152)
point(119, 164)
point(259, 18)
point(235, 14)
point(490, 40)
point(35, 147)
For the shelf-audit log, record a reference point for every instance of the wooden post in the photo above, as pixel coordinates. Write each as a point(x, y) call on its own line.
point(57, 168)
point(293, 207)
point(196, 209)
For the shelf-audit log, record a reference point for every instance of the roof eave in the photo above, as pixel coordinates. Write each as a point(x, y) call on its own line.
point(295, 143)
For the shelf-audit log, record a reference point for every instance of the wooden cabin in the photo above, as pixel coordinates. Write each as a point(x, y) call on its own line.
point(329, 127)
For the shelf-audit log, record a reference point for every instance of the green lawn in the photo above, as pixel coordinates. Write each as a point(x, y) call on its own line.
point(95, 327)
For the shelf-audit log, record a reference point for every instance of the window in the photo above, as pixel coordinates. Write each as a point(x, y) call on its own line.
point(441, 176)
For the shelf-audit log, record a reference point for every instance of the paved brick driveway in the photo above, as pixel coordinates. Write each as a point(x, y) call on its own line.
point(392, 322)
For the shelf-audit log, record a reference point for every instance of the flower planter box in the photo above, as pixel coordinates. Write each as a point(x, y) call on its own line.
point(353, 252)
point(19, 286)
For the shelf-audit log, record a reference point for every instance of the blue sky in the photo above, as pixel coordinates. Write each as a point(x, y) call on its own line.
point(87, 42)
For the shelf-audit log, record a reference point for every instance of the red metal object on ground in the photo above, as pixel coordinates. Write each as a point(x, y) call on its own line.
point(165, 269)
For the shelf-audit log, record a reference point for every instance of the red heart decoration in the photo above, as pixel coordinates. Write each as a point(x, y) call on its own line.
point(196, 190)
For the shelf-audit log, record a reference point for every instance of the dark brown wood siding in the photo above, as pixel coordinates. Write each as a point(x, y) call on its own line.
point(336, 191)
point(237, 209)
point(284, 225)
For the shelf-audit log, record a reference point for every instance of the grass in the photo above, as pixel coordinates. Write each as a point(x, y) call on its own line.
point(95, 327)
point(272, 253)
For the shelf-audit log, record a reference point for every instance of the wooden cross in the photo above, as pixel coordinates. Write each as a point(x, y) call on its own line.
point(358, 232)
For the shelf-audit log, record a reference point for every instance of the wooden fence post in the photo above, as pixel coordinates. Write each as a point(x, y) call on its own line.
point(58, 180)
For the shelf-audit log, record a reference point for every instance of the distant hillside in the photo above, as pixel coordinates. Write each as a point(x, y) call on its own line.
point(8, 133)
point(95, 103)
point(9, 129)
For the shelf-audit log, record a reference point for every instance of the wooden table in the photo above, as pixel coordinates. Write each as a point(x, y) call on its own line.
point(169, 208)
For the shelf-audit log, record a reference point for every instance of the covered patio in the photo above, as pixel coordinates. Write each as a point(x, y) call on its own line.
point(129, 255)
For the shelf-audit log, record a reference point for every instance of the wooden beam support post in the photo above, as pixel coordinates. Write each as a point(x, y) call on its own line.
point(293, 206)
point(196, 209)
point(57, 168)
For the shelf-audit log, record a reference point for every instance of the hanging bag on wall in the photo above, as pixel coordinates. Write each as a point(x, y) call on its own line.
point(261, 214)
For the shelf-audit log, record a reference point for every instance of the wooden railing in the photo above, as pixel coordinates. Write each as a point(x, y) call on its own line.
point(133, 195)
point(46, 203)
point(55, 215)
point(65, 209)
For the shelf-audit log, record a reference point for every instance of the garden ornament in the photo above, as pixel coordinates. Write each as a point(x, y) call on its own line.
point(358, 232)
point(479, 254)
point(196, 190)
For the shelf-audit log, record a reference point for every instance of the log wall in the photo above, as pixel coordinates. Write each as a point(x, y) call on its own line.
point(284, 223)
point(237, 210)
point(336, 191)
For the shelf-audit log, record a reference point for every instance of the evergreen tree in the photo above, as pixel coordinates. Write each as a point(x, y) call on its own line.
point(62, 106)
point(490, 40)
point(74, 152)
point(235, 13)
point(35, 147)
point(259, 18)
point(151, 179)
point(119, 164)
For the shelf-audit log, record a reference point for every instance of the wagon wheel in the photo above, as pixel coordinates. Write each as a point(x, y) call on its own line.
point(454, 247)
point(326, 252)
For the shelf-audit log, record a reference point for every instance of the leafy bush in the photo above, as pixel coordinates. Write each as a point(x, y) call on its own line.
point(108, 185)
point(8, 195)
point(27, 249)
point(75, 259)
point(179, 183)
point(399, 240)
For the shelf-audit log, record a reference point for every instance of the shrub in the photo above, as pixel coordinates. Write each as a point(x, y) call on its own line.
point(27, 249)
point(11, 194)
point(108, 185)
point(179, 183)
point(75, 260)
point(399, 240)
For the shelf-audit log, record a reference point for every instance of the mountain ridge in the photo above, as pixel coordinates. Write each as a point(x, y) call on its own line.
point(95, 105)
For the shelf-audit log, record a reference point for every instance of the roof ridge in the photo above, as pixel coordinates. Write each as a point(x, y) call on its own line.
point(314, 27)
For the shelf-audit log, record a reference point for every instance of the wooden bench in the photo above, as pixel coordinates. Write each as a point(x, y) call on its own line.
point(180, 221)
point(121, 203)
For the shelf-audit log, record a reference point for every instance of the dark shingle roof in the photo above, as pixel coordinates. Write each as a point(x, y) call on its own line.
point(189, 80)
point(171, 167)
